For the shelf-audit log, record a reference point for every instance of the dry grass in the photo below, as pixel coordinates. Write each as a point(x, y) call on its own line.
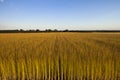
point(60, 56)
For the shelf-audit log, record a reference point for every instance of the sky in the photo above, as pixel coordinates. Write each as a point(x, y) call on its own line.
point(60, 14)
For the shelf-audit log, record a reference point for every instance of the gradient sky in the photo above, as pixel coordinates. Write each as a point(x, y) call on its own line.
point(60, 14)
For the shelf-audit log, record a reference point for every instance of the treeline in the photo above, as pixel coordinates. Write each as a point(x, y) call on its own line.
point(55, 30)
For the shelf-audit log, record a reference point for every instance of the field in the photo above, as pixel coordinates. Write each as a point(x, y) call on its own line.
point(60, 56)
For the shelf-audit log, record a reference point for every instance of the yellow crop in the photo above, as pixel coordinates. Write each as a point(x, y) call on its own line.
point(60, 56)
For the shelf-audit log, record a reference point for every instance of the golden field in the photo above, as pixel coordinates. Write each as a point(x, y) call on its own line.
point(60, 56)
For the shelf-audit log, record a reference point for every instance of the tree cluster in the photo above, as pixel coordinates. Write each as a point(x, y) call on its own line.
point(55, 30)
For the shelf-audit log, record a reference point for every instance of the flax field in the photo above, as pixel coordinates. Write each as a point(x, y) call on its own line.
point(60, 56)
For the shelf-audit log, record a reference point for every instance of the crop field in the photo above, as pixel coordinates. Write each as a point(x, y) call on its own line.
point(60, 56)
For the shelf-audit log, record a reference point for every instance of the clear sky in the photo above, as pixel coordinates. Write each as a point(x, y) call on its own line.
point(60, 14)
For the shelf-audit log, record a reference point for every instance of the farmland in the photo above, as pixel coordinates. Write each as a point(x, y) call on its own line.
point(60, 56)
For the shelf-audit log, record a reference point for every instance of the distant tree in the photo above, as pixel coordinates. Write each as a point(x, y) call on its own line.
point(21, 30)
point(48, 30)
point(31, 30)
point(37, 30)
point(66, 30)
point(55, 30)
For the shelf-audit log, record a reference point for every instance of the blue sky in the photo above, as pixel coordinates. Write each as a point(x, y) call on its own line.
point(60, 14)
